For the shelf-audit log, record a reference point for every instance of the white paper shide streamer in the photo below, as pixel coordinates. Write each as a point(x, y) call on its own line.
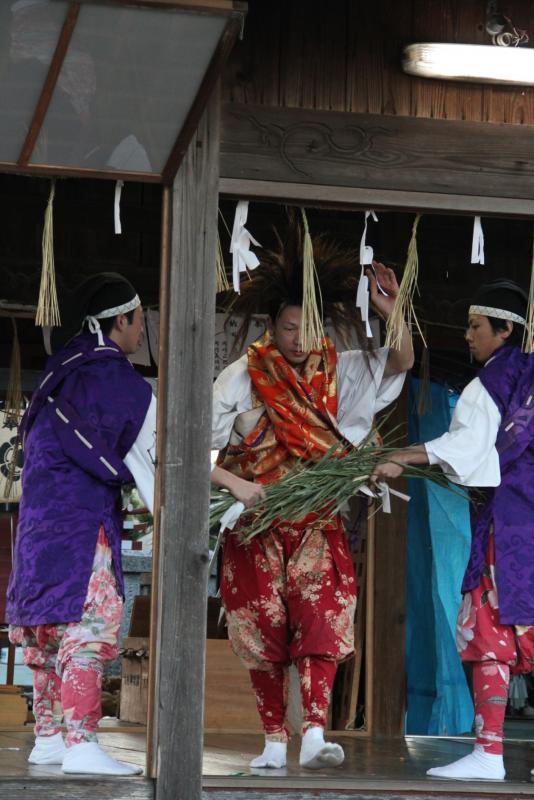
point(383, 493)
point(230, 517)
point(477, 248)
point(366, 258)
point(117, 206)
point(242, 256)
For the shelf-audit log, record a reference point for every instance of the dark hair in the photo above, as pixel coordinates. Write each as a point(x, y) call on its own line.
point(278, 283)
point(106, 324)
point(516, 337)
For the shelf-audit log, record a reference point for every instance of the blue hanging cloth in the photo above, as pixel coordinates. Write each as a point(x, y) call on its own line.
point(439, 536)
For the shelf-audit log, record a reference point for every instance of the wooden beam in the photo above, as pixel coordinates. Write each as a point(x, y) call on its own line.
point(213, 7)
point(185, 469)
point(48, 171)
point(395, 160)
point(97, 787)
point(344, 197)
point(157, 599)
point(50, 83)
point(370, 611)
point(389, 613)
point(218, 60)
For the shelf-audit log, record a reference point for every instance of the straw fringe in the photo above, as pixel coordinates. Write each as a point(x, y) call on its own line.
point(403, 308)
point(528, 339)
point(222, 279)
point(47, 306)
point(311, 329)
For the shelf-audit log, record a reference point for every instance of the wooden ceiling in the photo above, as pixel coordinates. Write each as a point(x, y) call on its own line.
point(345, 55)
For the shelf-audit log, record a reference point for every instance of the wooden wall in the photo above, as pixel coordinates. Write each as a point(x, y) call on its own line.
point(344, 55)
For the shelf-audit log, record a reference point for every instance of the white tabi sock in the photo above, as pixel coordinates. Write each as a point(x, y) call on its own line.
point(477, 766)
point(88, 758)
point(273, 756)
point(315, 753)
point(48, 750)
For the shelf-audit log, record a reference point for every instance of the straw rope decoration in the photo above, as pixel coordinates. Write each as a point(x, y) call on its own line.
point(13, 406)
point(403, 308)
point(47, 306)
point(222, 279)
point(528, 339)
point(311, 328)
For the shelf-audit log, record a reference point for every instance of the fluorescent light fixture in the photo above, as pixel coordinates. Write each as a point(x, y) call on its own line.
point(470, 62)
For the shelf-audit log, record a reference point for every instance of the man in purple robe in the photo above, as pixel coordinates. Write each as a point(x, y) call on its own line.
point(491, 444)
point(89, 429)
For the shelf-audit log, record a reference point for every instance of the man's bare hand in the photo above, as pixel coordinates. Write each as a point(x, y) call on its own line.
point(380, 274)
point(386, 471)
point(247, 492)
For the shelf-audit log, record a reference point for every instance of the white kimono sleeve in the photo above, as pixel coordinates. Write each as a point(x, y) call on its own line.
point(467, 452)
point(362, 390)
point(141, 458)
point(231, 396)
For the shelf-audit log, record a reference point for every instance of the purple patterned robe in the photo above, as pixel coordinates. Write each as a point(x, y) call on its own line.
point(82, 421)
point(509, 379)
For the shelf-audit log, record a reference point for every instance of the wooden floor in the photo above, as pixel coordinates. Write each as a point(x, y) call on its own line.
point(393, 769)
point(18, 779)
point(373, 768)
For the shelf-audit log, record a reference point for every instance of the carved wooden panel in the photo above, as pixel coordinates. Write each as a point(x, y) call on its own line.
point(377, 152)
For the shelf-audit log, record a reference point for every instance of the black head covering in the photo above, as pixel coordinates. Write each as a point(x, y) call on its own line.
point(100, 296)
point(503, 296)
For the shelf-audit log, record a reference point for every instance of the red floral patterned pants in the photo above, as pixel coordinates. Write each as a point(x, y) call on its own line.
point(67, 660)
point(495, 650)
point(290, 596)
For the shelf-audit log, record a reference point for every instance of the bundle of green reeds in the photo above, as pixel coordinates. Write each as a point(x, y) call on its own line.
point(321, 487)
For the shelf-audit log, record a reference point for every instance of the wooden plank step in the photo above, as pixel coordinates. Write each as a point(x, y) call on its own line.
point(79, 788)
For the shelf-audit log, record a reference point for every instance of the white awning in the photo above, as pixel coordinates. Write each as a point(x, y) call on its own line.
point(108, 88)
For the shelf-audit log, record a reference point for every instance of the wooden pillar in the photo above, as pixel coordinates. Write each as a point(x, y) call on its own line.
point(184, 435)
point(389, 612)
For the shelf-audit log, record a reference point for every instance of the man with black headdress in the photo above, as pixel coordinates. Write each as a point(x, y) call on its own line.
point(490, 444)
point(90, 427)
point(289, 594)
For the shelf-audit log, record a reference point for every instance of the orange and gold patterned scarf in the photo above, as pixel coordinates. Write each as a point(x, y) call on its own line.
point(296, 416)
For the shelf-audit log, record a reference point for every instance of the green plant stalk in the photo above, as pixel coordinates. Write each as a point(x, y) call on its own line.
point(321, 487)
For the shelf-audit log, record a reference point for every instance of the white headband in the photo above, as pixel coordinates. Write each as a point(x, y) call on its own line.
point(499, 313)
point(112, 312)
point(92, 319)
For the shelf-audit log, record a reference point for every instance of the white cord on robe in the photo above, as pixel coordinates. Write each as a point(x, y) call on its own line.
point(477, 248)
point(366, 259)
point(94, 327)
point(117, 206)
point(242, 256)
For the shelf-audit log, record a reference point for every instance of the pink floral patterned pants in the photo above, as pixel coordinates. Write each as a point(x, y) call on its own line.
point(289, 596)
point(68, 659)
point(495, 650)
